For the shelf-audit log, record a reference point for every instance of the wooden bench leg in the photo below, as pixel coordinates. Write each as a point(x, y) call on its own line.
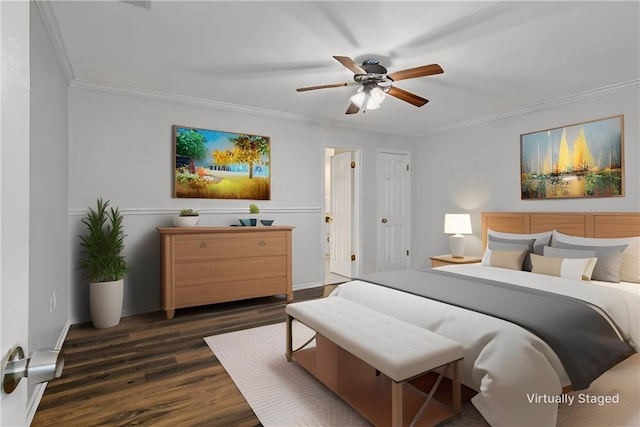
point(457, 388)
point(396, 404)
point(289, 338)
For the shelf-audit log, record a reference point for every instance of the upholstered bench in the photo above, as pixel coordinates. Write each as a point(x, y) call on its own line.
point(401, 351)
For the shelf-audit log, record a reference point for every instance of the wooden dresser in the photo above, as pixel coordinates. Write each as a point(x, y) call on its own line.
point(207, 265)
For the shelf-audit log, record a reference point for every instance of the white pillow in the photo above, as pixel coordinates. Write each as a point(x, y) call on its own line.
point(570, 268)
point(630, 266)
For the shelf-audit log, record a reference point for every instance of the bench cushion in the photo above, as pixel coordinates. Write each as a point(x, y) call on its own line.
point(396, 348)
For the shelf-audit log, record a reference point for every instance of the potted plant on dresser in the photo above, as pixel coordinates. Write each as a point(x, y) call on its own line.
point(186, 218)
point(103, 263)
point(254, 210)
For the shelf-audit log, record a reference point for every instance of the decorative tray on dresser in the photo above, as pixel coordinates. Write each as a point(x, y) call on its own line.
point(207, 265)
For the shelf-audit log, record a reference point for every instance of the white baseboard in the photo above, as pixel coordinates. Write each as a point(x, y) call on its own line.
point(36, 397)
point(308, 285)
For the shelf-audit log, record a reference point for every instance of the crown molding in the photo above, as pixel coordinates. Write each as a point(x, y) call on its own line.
point(53, 30)
point(218, 105)
point(206, 103)
point(593, 93)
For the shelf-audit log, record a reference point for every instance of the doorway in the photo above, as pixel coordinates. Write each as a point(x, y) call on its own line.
point(342, 243)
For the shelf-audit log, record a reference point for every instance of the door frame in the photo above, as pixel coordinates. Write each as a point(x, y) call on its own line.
point(356, 214)
point(379, 238)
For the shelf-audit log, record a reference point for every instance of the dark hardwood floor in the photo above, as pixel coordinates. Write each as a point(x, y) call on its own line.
point(153, 371)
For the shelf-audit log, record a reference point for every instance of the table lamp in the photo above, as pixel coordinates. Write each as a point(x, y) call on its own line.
point(457, 224)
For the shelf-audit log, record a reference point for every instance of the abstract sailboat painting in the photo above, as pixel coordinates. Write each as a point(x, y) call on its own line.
point(580, 160)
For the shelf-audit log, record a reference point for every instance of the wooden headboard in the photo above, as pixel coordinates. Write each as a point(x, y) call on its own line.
point(584, 224)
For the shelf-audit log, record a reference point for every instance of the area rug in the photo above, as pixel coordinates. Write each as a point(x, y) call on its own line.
point(283, 394)
point(280, 393)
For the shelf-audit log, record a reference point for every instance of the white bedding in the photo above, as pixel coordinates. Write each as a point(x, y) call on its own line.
point(516, 374)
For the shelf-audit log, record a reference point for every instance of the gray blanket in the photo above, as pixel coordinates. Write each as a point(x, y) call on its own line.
point(585, 342)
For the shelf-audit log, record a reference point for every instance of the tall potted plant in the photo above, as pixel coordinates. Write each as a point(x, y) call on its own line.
point(103, 264)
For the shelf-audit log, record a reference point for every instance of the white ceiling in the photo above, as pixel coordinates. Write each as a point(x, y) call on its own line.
point(498, 57)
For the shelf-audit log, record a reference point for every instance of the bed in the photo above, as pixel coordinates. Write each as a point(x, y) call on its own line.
point(518, 376)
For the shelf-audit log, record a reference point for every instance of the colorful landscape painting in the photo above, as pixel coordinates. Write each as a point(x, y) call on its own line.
point(580, 160)
point(214, 164)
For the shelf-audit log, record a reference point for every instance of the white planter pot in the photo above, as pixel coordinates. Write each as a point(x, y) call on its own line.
point(105, 299)
point(185, 221)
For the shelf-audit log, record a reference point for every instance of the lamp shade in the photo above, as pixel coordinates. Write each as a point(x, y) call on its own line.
point(457, 224)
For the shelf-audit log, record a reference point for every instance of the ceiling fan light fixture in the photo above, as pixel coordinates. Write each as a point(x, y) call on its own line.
point(368, 98)
point(359, 97)
point(376, 96)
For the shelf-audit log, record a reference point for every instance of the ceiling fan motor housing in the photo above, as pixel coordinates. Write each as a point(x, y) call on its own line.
point(371, 66)
point(375, 73)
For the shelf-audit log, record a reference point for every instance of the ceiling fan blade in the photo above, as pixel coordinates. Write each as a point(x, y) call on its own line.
point(407, 96)
point(353, 109)
point(348, 62)
point(304, 89)
point(412, 73)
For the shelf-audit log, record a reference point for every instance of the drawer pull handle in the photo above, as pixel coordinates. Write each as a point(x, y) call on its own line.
point(203, 244)
point(262, 243)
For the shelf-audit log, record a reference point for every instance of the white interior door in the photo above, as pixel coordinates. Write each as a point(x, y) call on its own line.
point(14, 199)
point(394, 201)
point(341, 211)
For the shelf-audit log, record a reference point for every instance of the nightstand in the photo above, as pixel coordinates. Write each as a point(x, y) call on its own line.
point(440, 260)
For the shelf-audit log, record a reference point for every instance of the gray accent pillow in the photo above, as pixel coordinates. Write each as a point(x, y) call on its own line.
point(609, 260)
point(541, 239)
point(502, 244)
point(568, 253)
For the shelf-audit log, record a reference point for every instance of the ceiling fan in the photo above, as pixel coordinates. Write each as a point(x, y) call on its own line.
point(375, 83)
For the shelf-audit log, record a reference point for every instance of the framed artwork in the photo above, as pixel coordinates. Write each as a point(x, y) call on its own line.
point(213, 164)
point(580, 160)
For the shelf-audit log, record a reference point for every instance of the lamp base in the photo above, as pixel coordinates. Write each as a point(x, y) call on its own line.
point(456, 245)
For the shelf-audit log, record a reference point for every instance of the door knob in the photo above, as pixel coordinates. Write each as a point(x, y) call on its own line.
point(41, 366)
point(384, 220)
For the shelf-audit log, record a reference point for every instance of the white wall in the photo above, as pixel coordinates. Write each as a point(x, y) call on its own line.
point(121, 148)
point(477, 168)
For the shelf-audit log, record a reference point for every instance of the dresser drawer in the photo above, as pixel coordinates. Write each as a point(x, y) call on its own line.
point(189, 296)
point(229, 270)
point(198, 248)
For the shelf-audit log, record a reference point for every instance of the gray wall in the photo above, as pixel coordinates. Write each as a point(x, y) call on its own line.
point(121, 148)
point(477, 168)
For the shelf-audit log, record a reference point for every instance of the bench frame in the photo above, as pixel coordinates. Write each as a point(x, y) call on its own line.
point(368, 392)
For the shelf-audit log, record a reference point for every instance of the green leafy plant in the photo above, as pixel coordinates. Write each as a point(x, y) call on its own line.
point(189, 212)
point(253, 208)
point(101, 247)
